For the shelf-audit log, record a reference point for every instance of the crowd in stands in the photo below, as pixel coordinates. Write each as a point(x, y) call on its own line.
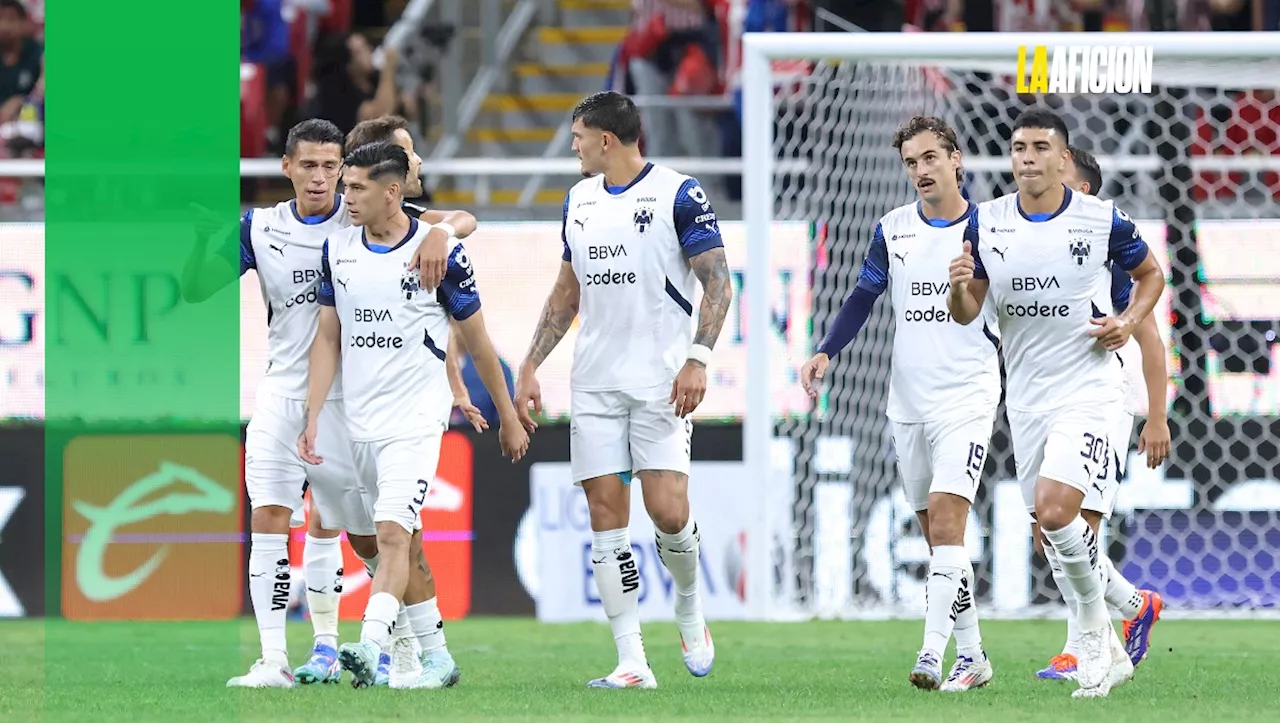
point(21, 95)
point(306, 58)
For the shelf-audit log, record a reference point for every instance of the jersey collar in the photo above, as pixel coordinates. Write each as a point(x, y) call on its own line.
point(315, 220)
point(1042, 217)
point(379, 249)
point(619, 190)
point(942, 222)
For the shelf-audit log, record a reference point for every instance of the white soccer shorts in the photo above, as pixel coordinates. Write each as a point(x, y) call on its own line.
point(274, 472)
point(1104, 501)
point(626, 431)
point(1071, 445)
point(945, 456)
point(397, 472)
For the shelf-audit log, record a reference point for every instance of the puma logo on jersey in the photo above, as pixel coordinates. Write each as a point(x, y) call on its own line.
point(343, 282)
point(999, 251)
point(581, 222)
point(902, 257)
point(277, 248)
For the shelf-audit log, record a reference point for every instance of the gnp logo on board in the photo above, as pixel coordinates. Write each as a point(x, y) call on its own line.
point(1085, 69)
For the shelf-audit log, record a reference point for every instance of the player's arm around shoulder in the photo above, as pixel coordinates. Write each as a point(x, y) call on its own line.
point(1127, 249)
point(433, 252)
point(968, 278)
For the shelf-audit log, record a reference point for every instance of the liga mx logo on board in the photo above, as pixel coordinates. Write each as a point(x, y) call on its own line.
point(1085, 69)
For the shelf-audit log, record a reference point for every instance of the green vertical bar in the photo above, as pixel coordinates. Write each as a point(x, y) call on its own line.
point(142, 389)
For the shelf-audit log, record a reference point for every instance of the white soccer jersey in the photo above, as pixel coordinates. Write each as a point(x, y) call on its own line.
point(940, 367)
point(285, 249)
point(1049, 275)
point(394, 333)
point(630, 249)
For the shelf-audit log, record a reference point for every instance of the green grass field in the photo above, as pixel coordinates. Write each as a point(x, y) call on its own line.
point(176, 672)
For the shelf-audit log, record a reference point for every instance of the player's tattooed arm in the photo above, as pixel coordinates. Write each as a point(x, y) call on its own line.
point(712, 271)
point(557, 316)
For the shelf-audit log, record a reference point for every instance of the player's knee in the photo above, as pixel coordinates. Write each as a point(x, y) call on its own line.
point(947, 516)
point(393, 540)
point(1055, 507)
point(270, 520)
point(608, 502)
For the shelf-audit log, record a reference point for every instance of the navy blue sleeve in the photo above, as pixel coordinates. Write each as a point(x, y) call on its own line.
point(971, 235)
point(458, 293)
point(873, 279)
point(564, 231)
point(325, 294)
point(874, 276)
point(412, 210)
point(1121, 286)
point(695, 220)
point(1125, 247)
point(247, 259)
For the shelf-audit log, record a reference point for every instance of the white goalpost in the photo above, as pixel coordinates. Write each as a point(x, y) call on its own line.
point(1196, 161)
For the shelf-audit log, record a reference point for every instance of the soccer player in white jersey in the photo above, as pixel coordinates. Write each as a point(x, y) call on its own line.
point(1140, 609)
point(1043, 255)
point(636, 236)
point(282, 244)
point(382, 327)
point(943, 391)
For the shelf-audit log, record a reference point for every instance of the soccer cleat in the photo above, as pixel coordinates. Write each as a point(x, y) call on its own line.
point(321, 668)
point(404, 665)
point(383, 677)
point(361, 660)
point(1121, 667)
point(1061, 667)
point(438, 671)
point(1137, 632)
point(701, 655)
point(927, 675)
point(263, 675)
point(1093, 664)
point(638, 677)
point(967, 674)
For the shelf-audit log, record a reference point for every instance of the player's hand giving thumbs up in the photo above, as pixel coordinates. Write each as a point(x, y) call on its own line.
point(962, 268)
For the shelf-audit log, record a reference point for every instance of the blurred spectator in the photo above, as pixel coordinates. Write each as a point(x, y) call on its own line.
point(671, 50)
point(1225, 14)
point(21, 59)
point(876, 16)
point(348, 88)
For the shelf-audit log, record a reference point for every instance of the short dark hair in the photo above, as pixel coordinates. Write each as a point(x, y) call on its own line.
point(383, 159)
point(1045, 119)
point(945, 134)
point(375, 129)
point(1088, 169)
point(314, 130)
point(15, 6)
point(611, 112)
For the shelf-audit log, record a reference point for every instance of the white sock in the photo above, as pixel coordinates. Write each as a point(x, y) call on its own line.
point(322, 573)
point(402, 628)
point(946, 570)
point(370, 565)
point(427, 625)
point(679, 553)
point(1072, 646)
point(1120, 593)
point(618, 580)
point(270, 580)
point(379, 619)
point(1077, 548)
point(965, 609)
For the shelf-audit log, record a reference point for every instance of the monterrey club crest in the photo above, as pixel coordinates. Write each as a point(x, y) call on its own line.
point(642, 219)
point(1080, 250)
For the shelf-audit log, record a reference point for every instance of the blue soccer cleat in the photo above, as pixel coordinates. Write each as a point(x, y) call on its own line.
point(1061, 667)
point(927, 675)
point(323, 667)
point(1137, 632)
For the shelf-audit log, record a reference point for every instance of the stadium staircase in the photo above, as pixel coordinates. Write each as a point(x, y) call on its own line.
point(559, 64)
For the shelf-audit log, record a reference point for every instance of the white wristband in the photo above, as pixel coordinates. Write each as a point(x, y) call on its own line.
point(447, 228)
point(700, 354)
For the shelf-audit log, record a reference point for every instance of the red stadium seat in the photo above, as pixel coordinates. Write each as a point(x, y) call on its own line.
point(1250, 130)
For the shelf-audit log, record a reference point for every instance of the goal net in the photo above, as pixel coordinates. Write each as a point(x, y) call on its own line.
point(1196, 162)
